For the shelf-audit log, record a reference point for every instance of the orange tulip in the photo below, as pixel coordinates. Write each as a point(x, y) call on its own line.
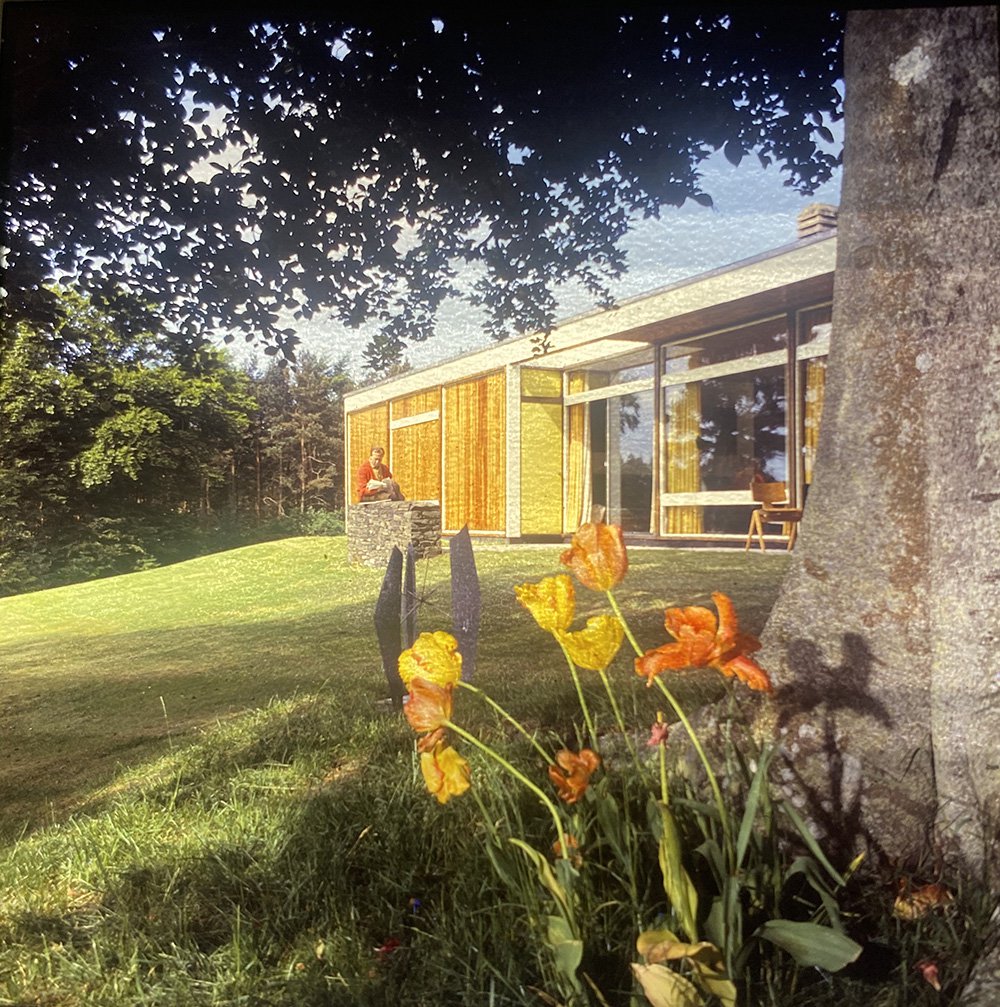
point(702, 640)
point(433, 657)
point(568, 849)
point(429, 706)
point(430, 741)
point(918, 902)
point(445, 772)
point(573, 778)
point(595, 646)
point(597, 556)
point(551, 601)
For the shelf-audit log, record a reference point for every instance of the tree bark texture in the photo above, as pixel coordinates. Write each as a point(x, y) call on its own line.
point(885, 638)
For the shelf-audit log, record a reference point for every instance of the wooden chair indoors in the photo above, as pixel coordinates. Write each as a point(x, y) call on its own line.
point(774, 509)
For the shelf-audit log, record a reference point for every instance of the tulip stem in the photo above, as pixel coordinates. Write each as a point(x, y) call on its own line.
point(510, 720)
point(620, 720)
point(621, 618)
point(712, 780)
point(514, 771)
point(583, 702)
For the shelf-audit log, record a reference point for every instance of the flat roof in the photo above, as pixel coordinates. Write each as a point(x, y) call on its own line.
point(766, 283)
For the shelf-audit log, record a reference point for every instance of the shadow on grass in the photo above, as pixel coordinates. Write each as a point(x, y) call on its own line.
point(74, 718)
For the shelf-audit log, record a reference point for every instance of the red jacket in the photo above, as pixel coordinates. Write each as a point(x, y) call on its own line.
point(365, 473)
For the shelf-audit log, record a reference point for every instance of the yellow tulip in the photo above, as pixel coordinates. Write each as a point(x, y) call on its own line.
point(595, 646)
point(551, 601)
point(445, 772)
point(433, 657)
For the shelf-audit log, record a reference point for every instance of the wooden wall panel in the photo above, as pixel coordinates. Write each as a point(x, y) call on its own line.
point(416, 459)
point(366, 427)
point(412, 405)
point(541, 468)
point(475, 454)
point(538, 382)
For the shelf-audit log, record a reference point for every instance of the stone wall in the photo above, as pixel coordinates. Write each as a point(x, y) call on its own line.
point(374, 528)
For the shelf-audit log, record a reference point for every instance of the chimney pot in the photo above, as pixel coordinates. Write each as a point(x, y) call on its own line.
point(817, 218)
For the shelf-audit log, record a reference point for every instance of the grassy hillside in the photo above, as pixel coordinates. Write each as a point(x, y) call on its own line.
point(112, 672)
point(217, 808)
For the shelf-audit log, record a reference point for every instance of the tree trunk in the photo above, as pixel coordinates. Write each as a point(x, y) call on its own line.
point(303, 471)
point(884, 639)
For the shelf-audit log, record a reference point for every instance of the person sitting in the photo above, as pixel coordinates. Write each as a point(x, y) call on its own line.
point(375, 481)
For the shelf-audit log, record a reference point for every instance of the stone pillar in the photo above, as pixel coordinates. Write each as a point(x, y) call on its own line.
point(374, 528)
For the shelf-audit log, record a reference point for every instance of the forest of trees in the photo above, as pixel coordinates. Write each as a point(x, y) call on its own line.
point(124, 445)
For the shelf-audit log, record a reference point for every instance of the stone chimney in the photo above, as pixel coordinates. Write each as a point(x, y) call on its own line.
point(817, 218)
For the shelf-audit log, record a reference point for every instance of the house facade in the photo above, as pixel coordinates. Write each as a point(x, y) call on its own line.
point(656, 414)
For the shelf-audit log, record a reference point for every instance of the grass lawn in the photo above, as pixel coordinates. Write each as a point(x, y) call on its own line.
point(206, 801)
point(115, 672)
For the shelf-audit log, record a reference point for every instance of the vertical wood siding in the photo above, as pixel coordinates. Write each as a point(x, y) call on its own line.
point(541, 453)
point(475, 472)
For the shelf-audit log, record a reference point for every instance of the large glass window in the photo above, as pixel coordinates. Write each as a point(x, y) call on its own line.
point(630, 469)
point(724, 424)
point(742, 431)
point(814, 344)
point(720, 347)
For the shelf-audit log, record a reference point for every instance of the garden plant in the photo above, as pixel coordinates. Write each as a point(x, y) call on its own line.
point(172, 838)
point(710, 888)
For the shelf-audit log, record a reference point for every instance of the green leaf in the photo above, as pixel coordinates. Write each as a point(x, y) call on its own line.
point(545, 875)
point(567, 950)
point(811, 944)
point(613, 824)
point(715, 922)
point(677, 883)
point(753, 802)
point(712, 852)
point(665, 988)
point(810, 840)
point(819, 883)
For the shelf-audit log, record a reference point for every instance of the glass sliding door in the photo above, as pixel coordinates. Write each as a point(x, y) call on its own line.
point(630, 460)
point(610, 418)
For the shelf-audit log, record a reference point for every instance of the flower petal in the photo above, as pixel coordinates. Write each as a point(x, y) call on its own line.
point(729, 626)
point(691, 621)
point(658, 734)
point(433, 657)
point(551, 601)
point(597, 556)
point(430, 705)
point(748, 672)
point(595, 646)
point(573, 781)
point(445, 773)
point(693, 652)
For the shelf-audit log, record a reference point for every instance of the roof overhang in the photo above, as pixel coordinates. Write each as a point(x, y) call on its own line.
point(766, 284)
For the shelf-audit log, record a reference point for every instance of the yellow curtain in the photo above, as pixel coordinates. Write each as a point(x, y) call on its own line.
point(416, 460)
point(475, 460)
point(368, 427)
point(683, 456)
point(416, 450)
point(578, 488)
point(815, 393)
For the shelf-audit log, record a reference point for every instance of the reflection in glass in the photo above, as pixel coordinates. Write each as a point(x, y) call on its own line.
point(621, 452)
point(743, 429)
point(720, 434)
point(747, 341)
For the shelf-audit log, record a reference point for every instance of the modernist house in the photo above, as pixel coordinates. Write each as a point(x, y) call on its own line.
point(660, 410)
